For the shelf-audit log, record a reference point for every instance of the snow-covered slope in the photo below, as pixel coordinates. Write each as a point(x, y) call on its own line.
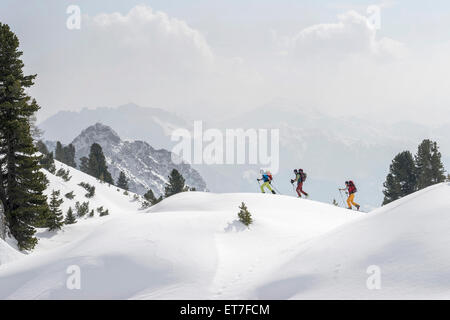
point(191, 246)
point(7, 253)
point(407, 242)
point(145, 167)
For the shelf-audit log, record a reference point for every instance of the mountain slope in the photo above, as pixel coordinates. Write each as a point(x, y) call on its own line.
point(191, 246)
point(407, 240)
point(145, 167)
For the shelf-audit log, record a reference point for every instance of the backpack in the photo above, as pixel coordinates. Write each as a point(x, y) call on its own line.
point(303, 176)
point(351, 187)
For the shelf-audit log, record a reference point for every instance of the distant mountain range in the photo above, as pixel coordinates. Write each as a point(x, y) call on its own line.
point(130, 121)
point(330, 149)
point(144, 166)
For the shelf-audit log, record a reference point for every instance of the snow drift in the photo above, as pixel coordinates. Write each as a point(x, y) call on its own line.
point(191, 246)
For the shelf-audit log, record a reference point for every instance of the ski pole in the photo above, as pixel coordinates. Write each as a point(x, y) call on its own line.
point(342, 198)
point(276, 189)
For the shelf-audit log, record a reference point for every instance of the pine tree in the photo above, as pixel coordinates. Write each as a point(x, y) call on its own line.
point(84, 164)
point(428, 163)
point(97, 164)
point(175, 184)
point(438, 171)
point(149, 196)
point(55, 217)
point(82, 209)
point(402, 179)
point(244, 215)
point(35, 132)
point(21, 182)
point(59, 152)
point(41, 147)
point(122, 181)
point(70, 217)
point(69, 155)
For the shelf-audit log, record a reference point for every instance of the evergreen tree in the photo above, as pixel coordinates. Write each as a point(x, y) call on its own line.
point(401, 179)
point(21, 182)
point(82, 209)
point(438, 171)
point(84, 161)
point(175, 184)
point(59, 152)
point(428, 163)
point(150, 197)
point(69, 155)
point(244, 215)
point(70, 217)
point(55, 217)
point(41, 147)
point(65, 154)
point(97, 164)
point(35, 132)
point(47, 162)
point(122, 181)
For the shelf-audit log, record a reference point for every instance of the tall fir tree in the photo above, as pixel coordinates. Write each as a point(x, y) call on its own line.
point(84, 161)
point(96, 165)
point(438, 171)
point(401, 179)
point(65, 154)
point(69, 155)
point(122, 181)
point(59, 152)
point(55, 215)
point(21, 182)
point(175, 184)
point(428, 164)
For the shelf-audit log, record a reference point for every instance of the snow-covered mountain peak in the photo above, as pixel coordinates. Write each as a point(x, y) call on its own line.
point(144, 166)
point(95, 133)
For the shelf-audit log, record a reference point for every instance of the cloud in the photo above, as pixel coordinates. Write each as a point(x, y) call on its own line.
point(352, 35)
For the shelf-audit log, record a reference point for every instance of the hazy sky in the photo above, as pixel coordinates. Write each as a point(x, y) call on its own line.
point(207, 58)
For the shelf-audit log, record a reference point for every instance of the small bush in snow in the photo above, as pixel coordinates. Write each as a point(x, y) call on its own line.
point(63, 174)
point(102, 212)
point(244, 215)
point(125, 192)
point(70, 217)
point(91, 214)
point(135, 197)
point(52, 169)
point(70, 195)
point(335, 203)
point(146, 204)
point(82, 209)
point(90, 189)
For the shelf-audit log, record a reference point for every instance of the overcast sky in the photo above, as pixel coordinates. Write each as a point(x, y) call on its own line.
point(214, 58)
